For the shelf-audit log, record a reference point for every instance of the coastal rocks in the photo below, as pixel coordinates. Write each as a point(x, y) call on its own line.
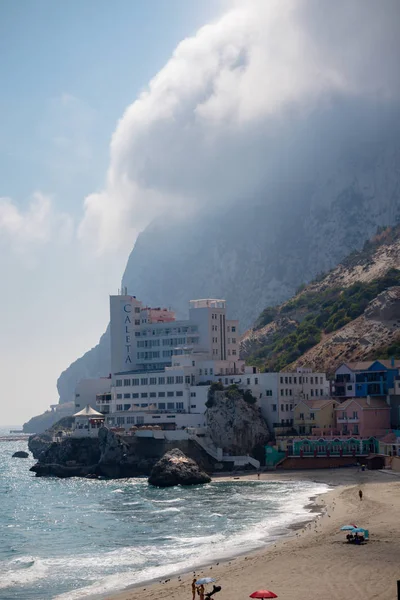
point(175, 468)
point(236, 426)
point(62, 471)
point(20, 454)
point(38, 444)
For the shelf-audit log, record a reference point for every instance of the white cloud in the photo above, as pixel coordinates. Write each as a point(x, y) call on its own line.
point(212, 122)
point(35, 226)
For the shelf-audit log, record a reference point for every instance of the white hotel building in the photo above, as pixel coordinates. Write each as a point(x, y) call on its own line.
point(162, 368)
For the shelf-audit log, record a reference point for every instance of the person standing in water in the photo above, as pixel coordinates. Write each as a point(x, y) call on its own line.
point(360, 494)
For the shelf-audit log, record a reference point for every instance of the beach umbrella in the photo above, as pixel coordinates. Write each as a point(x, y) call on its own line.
point(205, 580)
point(263, 594)
point(358, 530)
point(348, 528)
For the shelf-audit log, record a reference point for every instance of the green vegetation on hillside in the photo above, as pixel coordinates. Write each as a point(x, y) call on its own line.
point(316, 313)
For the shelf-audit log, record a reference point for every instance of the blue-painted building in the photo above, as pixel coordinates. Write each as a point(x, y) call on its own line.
point(367, 378)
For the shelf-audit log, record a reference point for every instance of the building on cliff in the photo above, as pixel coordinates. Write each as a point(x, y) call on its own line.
point(162, 368)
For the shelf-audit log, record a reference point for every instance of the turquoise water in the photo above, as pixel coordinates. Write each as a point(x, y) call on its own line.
point(71, 538)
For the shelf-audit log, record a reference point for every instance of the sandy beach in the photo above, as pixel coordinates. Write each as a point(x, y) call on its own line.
point(315, 562)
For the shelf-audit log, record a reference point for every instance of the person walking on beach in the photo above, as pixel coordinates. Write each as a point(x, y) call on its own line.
point(360, 494)
point(201, 592)
point(194, 589)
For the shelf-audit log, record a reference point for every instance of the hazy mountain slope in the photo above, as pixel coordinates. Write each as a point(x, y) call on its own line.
point(351, 313)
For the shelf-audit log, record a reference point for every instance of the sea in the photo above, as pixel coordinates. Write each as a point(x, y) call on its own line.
point(75, 538)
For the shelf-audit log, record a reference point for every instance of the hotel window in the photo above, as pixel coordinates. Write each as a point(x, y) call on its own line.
point(179, 393)
point(137, 321)
point(301, 416)
point(130, 420)
point(281, 379)
point(153, 380)
point(170, 380)
point(127, 382)
point(316, 392)
point(248, 381)
point(139, 420)
point(137, 309)
point(311, 379)
point(170, 394)
point(179, 406)
point(312, 416)
point(286, 392)
point(144, 405)
point(119, 406)
point(127, 395)
point(299, 379)
point(193, 394)
point(211, 371)
point(179, 378)
point(161, 394)
point(120, 420)
point(291, 407)
point(233, 352)
point(200, 371)
point(161, 380)
point(118, 383)
point(256, 380)
point(312, 393)
point(282, 407)
point(193, 406)
point(282, 392)
point(143, 395)
point(161, 405)
point(286, 379)
point(170, 405)
point(135, 395)
point(144, 381)
point(205, 373)
point(233, 329)
point(295, 380)
point(135, 381)
point(187, 378)
point(127, 406)
point(355, 414)
point(290, 380)
point(321, 392)
point(119, 396)
point(286, 407)
point(153, 395)
point(233, 340)
point(274, 408)
point(268, 392)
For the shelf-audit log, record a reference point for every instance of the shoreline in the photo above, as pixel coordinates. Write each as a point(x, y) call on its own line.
point(285, 532)
point(250, 565)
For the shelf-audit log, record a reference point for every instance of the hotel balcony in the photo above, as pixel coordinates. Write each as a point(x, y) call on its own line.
point(348, 419)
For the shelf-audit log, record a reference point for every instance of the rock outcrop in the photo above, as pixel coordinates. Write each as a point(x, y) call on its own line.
point(20, 454)
point(38, 444)
point(236, 426)
point(175, 468)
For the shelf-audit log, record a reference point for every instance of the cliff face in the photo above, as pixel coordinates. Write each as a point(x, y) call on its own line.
point(235, 426)
point(352, 313)
point(257, 252)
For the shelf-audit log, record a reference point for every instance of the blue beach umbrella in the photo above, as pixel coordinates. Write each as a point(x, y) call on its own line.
point(348, 528)
point(205, 580)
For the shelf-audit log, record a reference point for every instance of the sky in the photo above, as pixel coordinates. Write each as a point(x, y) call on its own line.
point(113, 114)
point(68, 70)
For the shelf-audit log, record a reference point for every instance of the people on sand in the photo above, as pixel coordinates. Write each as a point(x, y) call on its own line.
point(360, 494)
point(201, 591)
point(194, 589)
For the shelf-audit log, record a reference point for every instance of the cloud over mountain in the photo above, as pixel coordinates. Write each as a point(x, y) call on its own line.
point(246, 102)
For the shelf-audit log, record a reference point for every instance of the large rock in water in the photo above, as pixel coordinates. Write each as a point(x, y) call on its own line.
point(175, 468)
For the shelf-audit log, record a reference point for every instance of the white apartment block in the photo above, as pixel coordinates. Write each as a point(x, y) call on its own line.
point(162, 368)
point(278, 393)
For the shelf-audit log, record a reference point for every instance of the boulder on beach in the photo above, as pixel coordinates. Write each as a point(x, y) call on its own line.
point(175, 468)
point(20, 454)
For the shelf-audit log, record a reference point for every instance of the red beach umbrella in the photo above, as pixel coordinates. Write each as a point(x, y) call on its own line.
point(263, 594)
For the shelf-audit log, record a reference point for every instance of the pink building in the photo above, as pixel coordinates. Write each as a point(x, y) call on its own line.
point(363, 416)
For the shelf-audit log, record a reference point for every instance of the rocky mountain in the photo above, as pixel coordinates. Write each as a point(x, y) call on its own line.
point(352, 313)
point(257, 251)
